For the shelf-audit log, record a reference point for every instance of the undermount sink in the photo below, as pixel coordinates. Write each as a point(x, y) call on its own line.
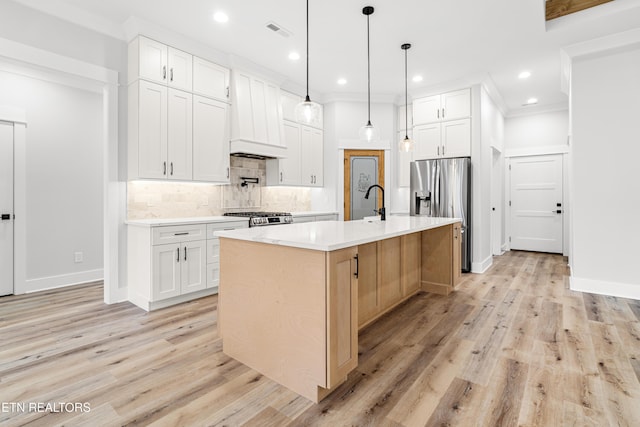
point(375, 218)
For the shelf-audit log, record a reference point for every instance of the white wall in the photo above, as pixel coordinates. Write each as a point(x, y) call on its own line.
point(536, 132)
point(23, 25)
point(605, 152)
point(342, 120)
point(63, 180)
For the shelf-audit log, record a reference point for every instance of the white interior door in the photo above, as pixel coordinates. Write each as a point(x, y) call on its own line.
point(536, 203)
point(6, 208)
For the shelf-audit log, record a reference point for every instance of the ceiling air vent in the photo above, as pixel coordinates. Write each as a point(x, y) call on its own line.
point(278, 29)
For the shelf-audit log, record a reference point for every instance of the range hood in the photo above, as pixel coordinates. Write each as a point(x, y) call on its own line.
point(256, 150)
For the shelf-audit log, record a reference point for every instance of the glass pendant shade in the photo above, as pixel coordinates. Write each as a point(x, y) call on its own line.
point(368, 133)
point(308, 112)
point(405, 145)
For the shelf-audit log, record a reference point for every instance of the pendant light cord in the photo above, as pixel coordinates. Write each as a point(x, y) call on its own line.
point(406, 97)
point(307, 99)
point(368, 77)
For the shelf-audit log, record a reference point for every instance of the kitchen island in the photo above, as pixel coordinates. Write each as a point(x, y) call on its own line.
point(293, 297)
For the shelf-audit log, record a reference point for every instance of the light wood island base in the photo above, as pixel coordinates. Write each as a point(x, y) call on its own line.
point(293, 314)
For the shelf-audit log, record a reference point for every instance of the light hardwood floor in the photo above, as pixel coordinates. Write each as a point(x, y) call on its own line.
point(510, 347)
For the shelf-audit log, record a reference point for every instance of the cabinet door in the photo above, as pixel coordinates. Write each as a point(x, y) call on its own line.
point(456, 138)
point(273, 114)
point(165, 266)
point(311, 156)
point(152, 130)
point(242, 105)
point(427, 141)
point(426, 110)
point(290, 167)
point(368, 297)
point(180, 69)
point(193, 266)
point(456, 105)
point(404, 160)
point(259, 108)
point(180, 135)
point(457, 253)
point(389, 272)
point(410, 258)
point(153, 60)
point(210, 140)
point(211, 80)
point(289, 102)
point(342, 321)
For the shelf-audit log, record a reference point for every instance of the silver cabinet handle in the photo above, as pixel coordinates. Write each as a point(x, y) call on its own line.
point(443, 150)
point(227, 172)
point(164, 72)
point(227, 91)
point(438, 150)
point(280, 176)
point(171, 168)
point(164, 168)
point(438, 113)
point(186, 233)
point(443, 113)
point(178, 259)
point(171, 78)
point(185, 253)
point(311, 179)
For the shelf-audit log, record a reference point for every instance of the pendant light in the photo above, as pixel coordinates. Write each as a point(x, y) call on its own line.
point(307, 112)
point(406, 145)
point(367, 132)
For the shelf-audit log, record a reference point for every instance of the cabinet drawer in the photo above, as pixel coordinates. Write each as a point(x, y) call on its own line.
point(231, 225)
point(177, 233)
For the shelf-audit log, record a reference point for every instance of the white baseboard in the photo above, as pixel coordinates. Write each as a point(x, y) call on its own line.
point(52, 282)
point(623, 290)
point(481, 267)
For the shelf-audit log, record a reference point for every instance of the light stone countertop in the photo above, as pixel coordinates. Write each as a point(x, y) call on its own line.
point(333, 235)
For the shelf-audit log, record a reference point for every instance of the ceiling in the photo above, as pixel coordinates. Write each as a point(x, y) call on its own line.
point(451, 40)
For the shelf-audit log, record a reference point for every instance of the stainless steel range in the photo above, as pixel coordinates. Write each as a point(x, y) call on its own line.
point(259, 219)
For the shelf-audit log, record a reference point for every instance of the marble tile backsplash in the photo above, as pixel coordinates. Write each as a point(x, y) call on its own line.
point(164, 199)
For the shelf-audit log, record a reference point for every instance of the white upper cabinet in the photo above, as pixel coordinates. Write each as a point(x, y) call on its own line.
point(448, 106)
point(210, 80)
point(446, 139)
point(456, 105)
point(150, 57)
point(148, 130)
point(257, 110)
point(287, 171)
point(210, 140)
point(311, 157)
point(157, 62)
point(180, 135)
point(180, 65)
point(289, 102)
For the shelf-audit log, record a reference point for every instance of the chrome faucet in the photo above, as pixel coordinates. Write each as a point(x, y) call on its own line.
point(382, 210)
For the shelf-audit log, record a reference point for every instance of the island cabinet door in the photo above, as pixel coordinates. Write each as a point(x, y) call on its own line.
point(342, 314)
point(389, 272)
point(457, 253)
point(368, 295)
point(437, 255)
point(410, 263)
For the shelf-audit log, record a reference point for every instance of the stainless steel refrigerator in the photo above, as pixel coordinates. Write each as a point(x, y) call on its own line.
point(442, 187)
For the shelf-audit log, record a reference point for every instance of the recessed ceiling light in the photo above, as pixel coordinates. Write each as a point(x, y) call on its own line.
point(532, 101)
point(342, 81)
point(524, 75)
point(294, 56)
point(220, 17)
point(417, 79)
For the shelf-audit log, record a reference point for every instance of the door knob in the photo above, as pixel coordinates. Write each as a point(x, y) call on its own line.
point(6, 217)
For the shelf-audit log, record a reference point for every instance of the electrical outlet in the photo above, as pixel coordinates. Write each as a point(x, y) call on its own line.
point(77, 256)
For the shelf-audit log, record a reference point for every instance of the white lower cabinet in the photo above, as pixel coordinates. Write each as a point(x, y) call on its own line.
point(170, 264)
point(178, 269)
